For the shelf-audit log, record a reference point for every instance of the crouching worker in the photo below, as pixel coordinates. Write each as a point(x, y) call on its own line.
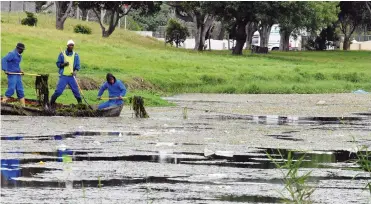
point(10, 65)
point(116, 90)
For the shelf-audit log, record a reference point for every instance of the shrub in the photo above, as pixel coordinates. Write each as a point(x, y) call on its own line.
point(210, 79)
point(30, 20)
point(319, 76)
point(176, 32)
point(253, 89)
point(82, 29)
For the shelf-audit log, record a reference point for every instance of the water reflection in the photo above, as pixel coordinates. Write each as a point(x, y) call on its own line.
point(250, 198)
point(291, 120)
point(9, 169)
point(61, 136)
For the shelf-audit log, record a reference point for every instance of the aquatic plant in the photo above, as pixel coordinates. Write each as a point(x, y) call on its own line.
point(185, 113)
point(296, 185)
point(138, 107)
point(364, 162)
point(83, 191)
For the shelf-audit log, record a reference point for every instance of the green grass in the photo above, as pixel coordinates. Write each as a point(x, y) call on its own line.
point(167, 70)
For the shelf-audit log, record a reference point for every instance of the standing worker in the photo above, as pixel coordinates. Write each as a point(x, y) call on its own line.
point(10, 65)
point(116, 90)
point(68, 63)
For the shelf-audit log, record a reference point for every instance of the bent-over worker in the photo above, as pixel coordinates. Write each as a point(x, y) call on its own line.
point(116, 90)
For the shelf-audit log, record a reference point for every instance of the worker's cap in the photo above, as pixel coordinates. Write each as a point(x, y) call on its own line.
point(21, 46)
point(70, 42)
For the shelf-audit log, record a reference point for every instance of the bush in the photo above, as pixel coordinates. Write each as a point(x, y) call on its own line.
point(31, 20)
point(319, 76)
point(176, 32)
point(210, 79)
point(82, 29)
point(252, 89)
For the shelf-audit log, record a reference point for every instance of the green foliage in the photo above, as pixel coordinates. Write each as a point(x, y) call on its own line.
point(319, 76)
point(39, 5)
point(152, 22)
point(363, 160)
point(31, 20)
point(83, 29)
point(210, 79)
point(311, 16)
point(176, 32)
point(116, 10)
point(132, 24)
point(353, 14)
point(295, 184)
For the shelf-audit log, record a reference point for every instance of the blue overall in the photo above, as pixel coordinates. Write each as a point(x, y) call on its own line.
point(10, 63)
point(64, 80)
point(114, 90)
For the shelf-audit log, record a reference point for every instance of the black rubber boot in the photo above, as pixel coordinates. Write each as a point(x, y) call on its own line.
point(52, 106)
point(52, 101)
point(79, 101)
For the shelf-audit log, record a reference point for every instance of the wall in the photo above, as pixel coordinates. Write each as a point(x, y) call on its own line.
point(18, 6)
point(366, 45)
point(144, 33)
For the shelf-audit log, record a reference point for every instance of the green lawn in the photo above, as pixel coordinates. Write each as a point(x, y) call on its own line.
point(146, 64)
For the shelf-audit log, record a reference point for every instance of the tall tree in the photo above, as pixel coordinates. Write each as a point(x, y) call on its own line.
point(352, 15)
point(368, 6)
point(117, 10)
point(266, 15)
point(63, 8)
point(39, 5)
point(176, 32)
point(241, 13)
point(251, 28)
point(152, 22)
point(198, 12)
point(295, 16)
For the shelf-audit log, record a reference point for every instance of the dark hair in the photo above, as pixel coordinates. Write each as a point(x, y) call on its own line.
point(109, 75)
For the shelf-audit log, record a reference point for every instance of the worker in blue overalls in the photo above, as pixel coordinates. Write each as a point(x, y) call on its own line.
point(10, 65)
point(68, 63)
point(116, 90)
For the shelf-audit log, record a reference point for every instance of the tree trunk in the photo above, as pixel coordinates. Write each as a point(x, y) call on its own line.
point(250, 30)
point(240, 38)
point(102, 15)
point(346, 44)
point(84, 14)
point(264, 32)
point(222, 33)
point(203, 25)
point(113, 21)
point(59, 25)
point(62, 11)
point(285, 40)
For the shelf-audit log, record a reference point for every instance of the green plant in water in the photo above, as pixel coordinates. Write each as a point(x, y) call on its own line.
point(295, 184)
point(83, 191)
point(99, 182)
point(148, 192)
point(185, 113)
point(364, 161)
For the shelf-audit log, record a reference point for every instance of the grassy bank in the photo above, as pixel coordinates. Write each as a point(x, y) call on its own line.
point(146, 64)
